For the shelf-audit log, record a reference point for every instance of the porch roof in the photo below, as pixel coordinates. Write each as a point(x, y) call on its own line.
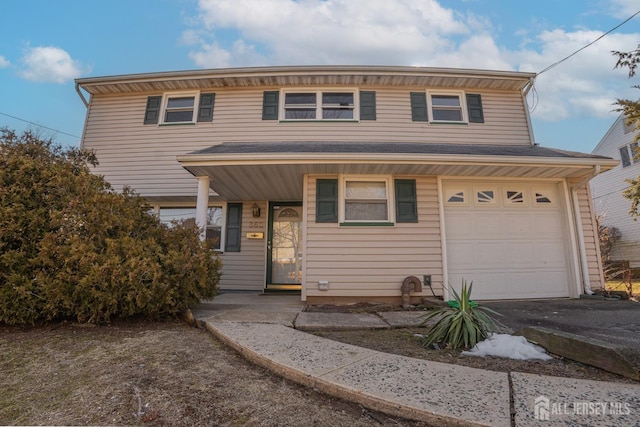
point(275, 170)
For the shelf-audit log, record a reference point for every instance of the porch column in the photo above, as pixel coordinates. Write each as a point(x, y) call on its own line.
point(202, 204)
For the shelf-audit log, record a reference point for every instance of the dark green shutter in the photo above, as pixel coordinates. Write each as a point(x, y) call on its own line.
point(474, 106)
point(205, 107)
point(367, 105)
point(327, 200)
point(419, 107)
point(270, 105)
point(234, 227)
point(152, 112)
point(406, 200)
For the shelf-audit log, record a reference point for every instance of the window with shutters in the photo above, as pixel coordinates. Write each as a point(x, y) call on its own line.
point(302, 104)
point(366, 200)
point(187, 215)
point(179, 108)
point(450, 107)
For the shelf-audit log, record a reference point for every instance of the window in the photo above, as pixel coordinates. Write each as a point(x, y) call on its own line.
point(447, 107)
point(514, 197)
point(542, 199)
point(318, 105)
point(485, 197)
point(455, 196)
point(179, 108)
point(187, 215)
point(629, 154)
point(366, 200)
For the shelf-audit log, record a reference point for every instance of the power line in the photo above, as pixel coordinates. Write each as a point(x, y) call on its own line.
point(586, 46)
point(37, 124)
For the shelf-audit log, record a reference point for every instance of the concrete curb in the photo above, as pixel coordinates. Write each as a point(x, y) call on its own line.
point(496, 393)
point(581, 349)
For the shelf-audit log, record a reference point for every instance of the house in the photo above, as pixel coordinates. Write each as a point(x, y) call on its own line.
point(611, 206)
point(343, 181)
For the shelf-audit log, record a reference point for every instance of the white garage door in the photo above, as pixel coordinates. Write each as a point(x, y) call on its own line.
point(506, 238)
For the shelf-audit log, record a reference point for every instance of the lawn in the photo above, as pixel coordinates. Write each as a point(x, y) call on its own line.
point(152, 373)
point(616, 285)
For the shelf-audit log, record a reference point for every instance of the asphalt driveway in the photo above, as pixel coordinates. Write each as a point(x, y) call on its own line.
point(614, 322)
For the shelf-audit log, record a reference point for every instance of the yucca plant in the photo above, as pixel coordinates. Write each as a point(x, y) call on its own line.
point(462, 324)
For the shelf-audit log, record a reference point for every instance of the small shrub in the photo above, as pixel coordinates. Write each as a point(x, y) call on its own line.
point(463, 324)
point(72, 247)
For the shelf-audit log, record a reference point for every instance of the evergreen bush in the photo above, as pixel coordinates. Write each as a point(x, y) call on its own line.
point(73, 247)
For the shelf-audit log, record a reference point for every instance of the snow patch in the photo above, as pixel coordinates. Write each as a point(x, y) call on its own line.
point(508, 346)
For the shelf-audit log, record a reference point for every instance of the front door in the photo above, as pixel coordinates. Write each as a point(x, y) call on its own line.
point(284, 246)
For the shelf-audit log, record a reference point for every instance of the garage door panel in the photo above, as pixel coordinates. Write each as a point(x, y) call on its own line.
point(508, 250)
point(518, 223)
point(550, 254)
point(512, 284)
point(487, 224)
point(521, 254)
point(548, 223)
point(489, 254)
point(460, 224)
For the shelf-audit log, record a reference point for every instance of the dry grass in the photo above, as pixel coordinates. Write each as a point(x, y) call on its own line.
point(144, 373)
point(621, 286)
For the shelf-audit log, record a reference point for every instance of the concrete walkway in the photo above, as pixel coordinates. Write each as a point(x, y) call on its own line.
point(266, 330)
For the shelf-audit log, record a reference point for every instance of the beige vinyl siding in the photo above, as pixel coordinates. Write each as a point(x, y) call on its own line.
point(144, 156)
point(591, 242)
point(611, 206)
point(245, 270)
point(373, 261)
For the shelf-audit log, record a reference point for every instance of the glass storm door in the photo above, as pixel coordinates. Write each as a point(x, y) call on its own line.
point(284, 246)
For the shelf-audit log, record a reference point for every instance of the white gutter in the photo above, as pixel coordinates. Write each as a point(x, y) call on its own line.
point(220, 159)
point(578, 219)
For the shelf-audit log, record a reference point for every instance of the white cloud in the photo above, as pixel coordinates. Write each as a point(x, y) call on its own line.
point(415, 32)
point(49, 64)
point(332, 31)
point(4, 62)
point(583, 85)
point(624, 8)
point(214, 56)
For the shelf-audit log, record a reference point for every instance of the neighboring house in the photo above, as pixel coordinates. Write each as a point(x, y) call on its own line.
point(611, 206)
point(342, 181)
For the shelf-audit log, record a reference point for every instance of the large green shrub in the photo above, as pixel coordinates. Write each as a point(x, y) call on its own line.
point(72, 247)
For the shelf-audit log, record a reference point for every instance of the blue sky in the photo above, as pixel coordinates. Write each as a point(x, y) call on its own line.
point(45, 44)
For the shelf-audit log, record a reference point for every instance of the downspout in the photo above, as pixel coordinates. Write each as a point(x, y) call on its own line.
point(581, 244)
point(525, 92)
point(84, 100)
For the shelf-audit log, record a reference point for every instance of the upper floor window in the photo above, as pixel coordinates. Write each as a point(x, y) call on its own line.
point(319, 105)
point(447, 107)
point(454, 107)
point(629, 154)
point(179, 108)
